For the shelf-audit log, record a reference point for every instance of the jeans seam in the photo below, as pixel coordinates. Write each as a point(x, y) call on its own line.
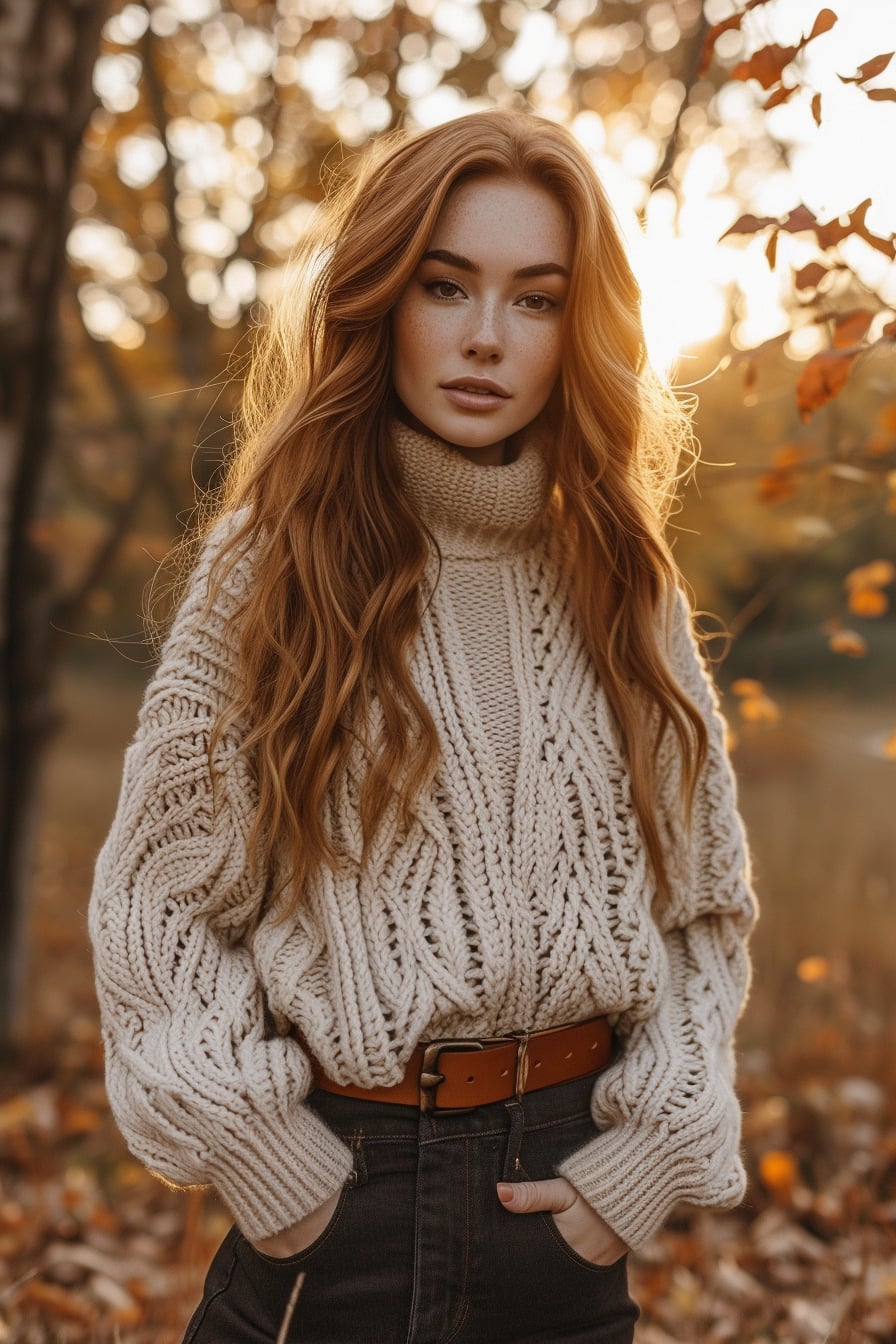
point(194, 1326)
point(464, 1305)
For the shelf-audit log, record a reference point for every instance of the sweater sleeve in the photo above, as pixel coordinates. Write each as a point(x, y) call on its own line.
point(669, 1119)
point(202, 1090)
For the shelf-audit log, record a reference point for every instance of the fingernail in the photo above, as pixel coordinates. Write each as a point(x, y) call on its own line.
point(505, 1192)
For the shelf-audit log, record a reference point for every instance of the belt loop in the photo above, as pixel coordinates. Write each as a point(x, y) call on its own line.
point(522, 1062)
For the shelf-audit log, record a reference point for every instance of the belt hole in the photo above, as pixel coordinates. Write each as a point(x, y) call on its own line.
point(471, 1079)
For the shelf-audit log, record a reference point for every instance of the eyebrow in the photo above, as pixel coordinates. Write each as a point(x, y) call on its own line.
point(464, 264)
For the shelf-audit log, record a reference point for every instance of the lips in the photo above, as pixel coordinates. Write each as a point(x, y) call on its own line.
point(480, 386)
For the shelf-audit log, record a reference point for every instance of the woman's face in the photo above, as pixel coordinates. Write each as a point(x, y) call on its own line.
point(476, 333)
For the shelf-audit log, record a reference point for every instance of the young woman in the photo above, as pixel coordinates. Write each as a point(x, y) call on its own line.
point(420, 929)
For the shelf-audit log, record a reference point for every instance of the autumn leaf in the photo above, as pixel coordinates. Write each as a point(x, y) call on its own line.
point(55, 1300)
point(823, 24)
point(790, 455)
point(822, 379)
point(781, 95)
point(848, 642)
point(816, 108)
point(747, 686)
point(750, 224)
point(868, 602)
point(799, 220)
point(876, 66)
point(723, 26)
point(811, 276)
point(765, 65)
point(759, 709)
point(802, 220)
point(876, 574)
point(771, 249)
point(849, 328)
point(778, 1171)
point(812, 969)
point(881, 95)
point(775, 486)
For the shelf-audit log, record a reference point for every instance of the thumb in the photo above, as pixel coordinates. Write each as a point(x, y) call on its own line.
point(553, 1195)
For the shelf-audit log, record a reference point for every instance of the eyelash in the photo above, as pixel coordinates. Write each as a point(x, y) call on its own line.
point(433, 285)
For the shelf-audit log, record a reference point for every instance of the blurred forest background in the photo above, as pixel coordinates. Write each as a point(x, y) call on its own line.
point(158, 163)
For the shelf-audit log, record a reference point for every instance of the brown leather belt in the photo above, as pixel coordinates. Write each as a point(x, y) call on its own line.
point(457, 1074)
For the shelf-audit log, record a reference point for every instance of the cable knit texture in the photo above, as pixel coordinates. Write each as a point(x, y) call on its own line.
point(519, 899)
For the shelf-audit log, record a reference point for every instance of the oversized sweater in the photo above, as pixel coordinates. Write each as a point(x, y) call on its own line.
point(519, 899)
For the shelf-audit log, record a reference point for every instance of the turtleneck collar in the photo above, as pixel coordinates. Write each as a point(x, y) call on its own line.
point(473, 511)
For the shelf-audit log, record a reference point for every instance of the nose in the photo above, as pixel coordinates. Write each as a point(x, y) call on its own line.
point(484, 340)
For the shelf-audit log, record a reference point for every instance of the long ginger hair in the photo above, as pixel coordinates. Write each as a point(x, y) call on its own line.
point(338, 555)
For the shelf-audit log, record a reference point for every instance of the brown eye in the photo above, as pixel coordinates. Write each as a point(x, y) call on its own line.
point(444, 289)
point(538, 303)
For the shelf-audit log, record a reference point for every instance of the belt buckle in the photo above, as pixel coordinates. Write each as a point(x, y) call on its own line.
point(430, 1078)
point(429, 1075)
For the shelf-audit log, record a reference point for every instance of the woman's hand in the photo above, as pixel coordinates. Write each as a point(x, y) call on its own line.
point(578, 1224)
point(293, 1240)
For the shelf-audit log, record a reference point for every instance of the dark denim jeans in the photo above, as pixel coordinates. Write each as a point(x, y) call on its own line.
point(420, 1250)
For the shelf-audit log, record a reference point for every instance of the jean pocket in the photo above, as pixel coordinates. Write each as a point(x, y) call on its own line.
point(615, 1267)
point(542, 1149)
point(291, 1261)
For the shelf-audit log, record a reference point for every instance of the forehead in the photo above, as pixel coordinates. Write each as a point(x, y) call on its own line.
point(503, 220)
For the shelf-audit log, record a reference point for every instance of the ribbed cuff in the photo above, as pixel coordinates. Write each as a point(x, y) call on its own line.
point(270, 1179)
point(634, 1178)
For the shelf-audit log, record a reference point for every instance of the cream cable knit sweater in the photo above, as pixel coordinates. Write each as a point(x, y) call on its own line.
point(520, 899)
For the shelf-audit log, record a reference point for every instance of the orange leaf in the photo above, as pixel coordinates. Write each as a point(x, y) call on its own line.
point(790, 455)
point(868, 602)
point(780, 95)
point(816, 108)
point(750, 224)
point(848, 642)
point(876, 66)
point(771, 249)
point(811, 276)
point(716, 31)
point(876, 574)
point(759, 709)
point(774, 486)
point(849, 328)
point(822, 379)
point(765, 65)
point(812, 969)
point(778, 1171)
point(881, 95)
point(78, 1119)
point(58, 1301)
point(747, 686)
point(823, 24)
point(799, 220)
point(834, 232)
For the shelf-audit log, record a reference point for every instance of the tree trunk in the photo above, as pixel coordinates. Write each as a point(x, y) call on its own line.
point(47, 52)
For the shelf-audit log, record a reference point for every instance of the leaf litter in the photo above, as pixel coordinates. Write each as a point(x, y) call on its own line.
point(93, 1249)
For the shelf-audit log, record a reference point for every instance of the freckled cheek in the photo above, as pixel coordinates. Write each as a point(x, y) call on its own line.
point(544, 356)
